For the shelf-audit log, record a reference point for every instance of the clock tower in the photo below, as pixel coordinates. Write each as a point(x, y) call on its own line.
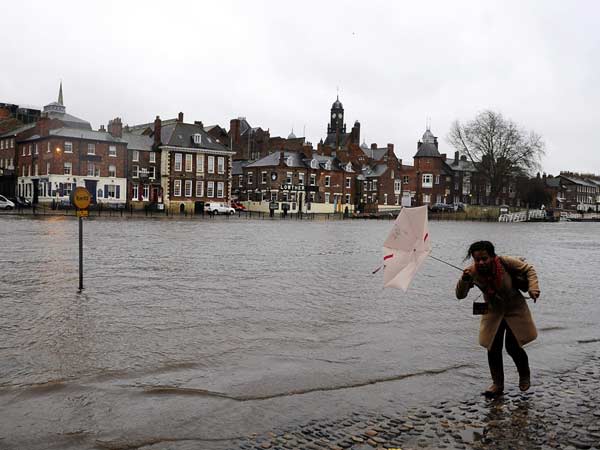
point(337, 124)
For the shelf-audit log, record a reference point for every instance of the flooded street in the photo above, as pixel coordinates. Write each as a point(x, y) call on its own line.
point(196, 332)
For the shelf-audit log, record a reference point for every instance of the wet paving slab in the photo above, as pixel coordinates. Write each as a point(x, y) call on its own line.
point(560, 411)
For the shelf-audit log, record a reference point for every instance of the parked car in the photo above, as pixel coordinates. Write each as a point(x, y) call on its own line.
point(21, 202)
point(238, 206)
point(6, 203)
point(218, 208)
point(441, 207)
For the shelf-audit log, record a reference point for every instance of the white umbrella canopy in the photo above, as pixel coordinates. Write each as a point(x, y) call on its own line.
point(406, 247)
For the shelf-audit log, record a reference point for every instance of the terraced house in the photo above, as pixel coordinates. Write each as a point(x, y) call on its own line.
point(194, 167)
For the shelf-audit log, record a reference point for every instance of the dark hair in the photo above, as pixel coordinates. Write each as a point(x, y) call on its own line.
point(481, 246)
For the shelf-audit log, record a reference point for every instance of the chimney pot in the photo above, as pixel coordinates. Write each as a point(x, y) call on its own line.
point(180, 117)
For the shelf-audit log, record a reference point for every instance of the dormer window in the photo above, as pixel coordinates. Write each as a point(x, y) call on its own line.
point(289, 161)
point(197, 138)
point(349, 167)
point(313, 164)
point(328, 165)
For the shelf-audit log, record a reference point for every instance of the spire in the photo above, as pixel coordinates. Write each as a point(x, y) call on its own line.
point(60, 95)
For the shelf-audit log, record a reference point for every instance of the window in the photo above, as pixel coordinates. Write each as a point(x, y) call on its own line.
point(24, 149)
point(210, 189)
point(135, 192)
point(426, 198)
point(221, 165)
point(327, 181)
point(2, 145)
point(12, 143)
point(349, 167)
point(29, 170)
point(301, 179)
point(273, 196)
point(91, 169)
point(313, 179)
point(263, 177)
point(36, 152)
point(67, 168)
point(211, 164)
point(35, 169)
point(240, 180)
point(397, 186)
point(135, 171)
point(197, 138)
point(112, 171)
point(68, 147)
point(439, 198)
point(152, 157)
point(328, 165)
point(199, 188)
point(437, 179)
point(314, 164)
point(23, 174)
point(176, 188)
point(405, 179)
point(220, 189)
point(110, 191)
point(374, 185)
point(48, 147)
point(145, 192)
point(199, 163)
point(135, 156)
point(249, 177)
point(327, 197)
point(427, 181)
point(177, 162)
point(91, 149)
point(112, 150)
point(288, 178)
point(29, 149)
point(152, 172)
point(348, 182)
point(47, 168)
point(188, 188)
point(347, 199)
point(67, 188)
point(285, 196)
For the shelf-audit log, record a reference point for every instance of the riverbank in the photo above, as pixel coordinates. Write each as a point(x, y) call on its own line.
point(560, 411)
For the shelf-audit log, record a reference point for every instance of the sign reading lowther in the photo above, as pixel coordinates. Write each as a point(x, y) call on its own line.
point(81, 199)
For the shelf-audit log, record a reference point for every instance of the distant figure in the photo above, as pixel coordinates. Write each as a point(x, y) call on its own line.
point(500, 278)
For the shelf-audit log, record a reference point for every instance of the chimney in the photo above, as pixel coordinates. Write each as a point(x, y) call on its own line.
point(281, 157)
point(444, 157)
point(199, 123)
point(463, 158)
point(455, 163)
point(180, 117)
point(234, 130)
point(373, 146)
point(43, 125)
point(115, 127)
point(157, 131)
point(390, 149)
point(307, 150)
point(102, 128)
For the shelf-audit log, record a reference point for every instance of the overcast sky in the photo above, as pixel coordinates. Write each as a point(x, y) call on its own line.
point(279, 64)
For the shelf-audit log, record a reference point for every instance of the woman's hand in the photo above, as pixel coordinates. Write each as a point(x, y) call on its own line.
point(534, 295)
point(467, 275)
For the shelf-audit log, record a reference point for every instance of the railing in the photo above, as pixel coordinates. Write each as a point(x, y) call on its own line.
point(522, 216)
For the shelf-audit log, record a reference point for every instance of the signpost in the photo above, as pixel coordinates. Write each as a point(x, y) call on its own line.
point(81, 198)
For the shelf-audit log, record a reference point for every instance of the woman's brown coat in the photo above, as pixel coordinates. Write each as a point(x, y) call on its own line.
point(509, 304)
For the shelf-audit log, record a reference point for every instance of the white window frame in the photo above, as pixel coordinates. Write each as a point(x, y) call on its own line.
point(210, 189)
point(112, 151)
point(188, 188)
point(288, 178)
point(135, 156)
point(135, 171)
point(249, 177)
point(198, 138)
point(397, 186)
point(427, 180)
point(348, 199)
point(327, 181)
point(327, 197)
point(176, 188)
point(437, 179)
point(152, 157)
point(152, 172)
point(112, 171)
point(199, 188)
point(178, 160)
point(47, 168)
point(313, 179)
point(211, 164)
point(221, 165)
point(199, 163)
point(67, 168)
point(301, 179)
point(36, 149)
point(135, 193)
point(189, 162)
point(263, 178)
point(348, 182)
point(145, 192)
point(314, 164)
point(68, 147)
point(91, 148)
point(220, 189)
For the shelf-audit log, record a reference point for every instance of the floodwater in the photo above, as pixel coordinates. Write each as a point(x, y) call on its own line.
point(190, 333)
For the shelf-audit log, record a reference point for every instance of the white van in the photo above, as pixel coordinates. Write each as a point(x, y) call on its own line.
point(6, 203)
point(218, 208)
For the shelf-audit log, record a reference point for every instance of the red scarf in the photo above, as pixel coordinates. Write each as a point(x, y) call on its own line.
point(493, 281)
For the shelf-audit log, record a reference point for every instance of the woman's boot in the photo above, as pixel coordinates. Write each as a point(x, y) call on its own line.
point(524, 378)
point(497, 387)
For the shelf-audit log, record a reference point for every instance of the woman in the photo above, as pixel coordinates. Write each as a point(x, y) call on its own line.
point(507, 311)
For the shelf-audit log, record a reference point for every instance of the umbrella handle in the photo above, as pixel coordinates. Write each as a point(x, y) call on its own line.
point(377, 270)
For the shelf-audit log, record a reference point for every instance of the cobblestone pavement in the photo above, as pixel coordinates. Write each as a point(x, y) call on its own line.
point(560, 411)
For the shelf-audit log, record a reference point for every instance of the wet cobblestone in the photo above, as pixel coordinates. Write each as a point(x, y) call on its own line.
point(559, 412)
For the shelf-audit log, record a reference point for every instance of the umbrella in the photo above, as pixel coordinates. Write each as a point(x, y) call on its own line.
point(406, 247)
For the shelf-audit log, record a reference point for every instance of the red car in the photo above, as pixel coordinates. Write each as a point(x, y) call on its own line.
point(238, 206)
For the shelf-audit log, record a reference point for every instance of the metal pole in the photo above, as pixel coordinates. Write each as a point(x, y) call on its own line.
point(81, 253)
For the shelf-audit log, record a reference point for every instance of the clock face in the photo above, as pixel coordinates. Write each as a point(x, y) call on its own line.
point(273, 176)
point(333, 116)
point(340, 115)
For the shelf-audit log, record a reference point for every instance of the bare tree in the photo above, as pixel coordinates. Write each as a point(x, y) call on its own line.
point(498, 148)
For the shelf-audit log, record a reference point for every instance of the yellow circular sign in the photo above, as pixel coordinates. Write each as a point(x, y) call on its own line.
point(81, 197)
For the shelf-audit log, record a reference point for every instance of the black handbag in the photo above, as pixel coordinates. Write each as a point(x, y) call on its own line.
point(480, 308)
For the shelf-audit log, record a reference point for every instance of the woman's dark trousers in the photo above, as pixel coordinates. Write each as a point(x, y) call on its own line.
point(513, 349)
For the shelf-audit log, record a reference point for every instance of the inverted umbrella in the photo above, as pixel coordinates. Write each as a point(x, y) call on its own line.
point(406, 247)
